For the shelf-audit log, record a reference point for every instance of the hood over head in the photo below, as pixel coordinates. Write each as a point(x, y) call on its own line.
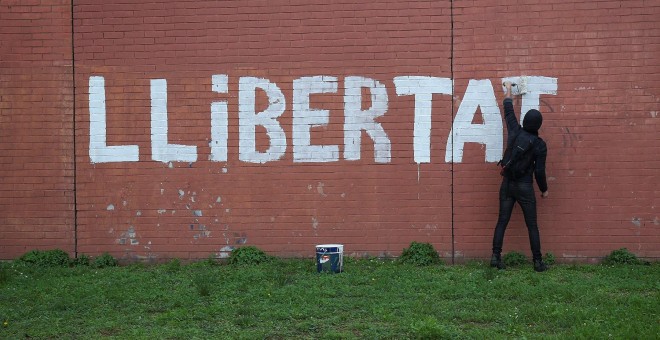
point(532, 121)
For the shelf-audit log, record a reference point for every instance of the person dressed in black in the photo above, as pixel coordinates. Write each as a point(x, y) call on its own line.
point(521, 189)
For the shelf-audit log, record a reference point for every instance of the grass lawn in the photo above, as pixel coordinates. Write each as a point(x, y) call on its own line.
point(371, 299)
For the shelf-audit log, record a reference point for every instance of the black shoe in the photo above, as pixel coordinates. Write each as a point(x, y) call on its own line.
point(540, 266)
point(496, 261)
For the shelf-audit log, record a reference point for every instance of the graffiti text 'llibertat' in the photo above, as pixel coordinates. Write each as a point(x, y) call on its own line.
point(479, 94)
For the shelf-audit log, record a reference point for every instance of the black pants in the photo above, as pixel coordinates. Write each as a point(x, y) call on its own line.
point(523, 193)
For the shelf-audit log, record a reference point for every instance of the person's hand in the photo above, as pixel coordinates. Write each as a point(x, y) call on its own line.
point(507, 85)
point(544, 194)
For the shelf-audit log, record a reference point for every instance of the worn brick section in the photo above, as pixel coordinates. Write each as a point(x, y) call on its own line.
point(167, 102)
point(36, 127)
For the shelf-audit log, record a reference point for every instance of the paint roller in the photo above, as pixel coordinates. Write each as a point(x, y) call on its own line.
point(518, 85)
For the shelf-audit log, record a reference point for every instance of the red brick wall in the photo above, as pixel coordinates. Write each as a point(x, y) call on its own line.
point(601, 127)
point(36, 127)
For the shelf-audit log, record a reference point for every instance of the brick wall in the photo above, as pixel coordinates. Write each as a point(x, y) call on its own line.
point(36, 127)
point(368, 154)
point(601, 128)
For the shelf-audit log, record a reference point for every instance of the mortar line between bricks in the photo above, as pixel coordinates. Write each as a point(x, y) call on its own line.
point(451, 169)
point(75, 173)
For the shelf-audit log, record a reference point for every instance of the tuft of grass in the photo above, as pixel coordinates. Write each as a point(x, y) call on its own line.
point(430, 328)
point(420, 254)
point(82, 260)
point(621, 256)
point(203, 283)
point(105, 260)
point(5, 274)
point(173, 266)
point(248, 256)
point(549, 259)
point(46, 258)
point(514, 258)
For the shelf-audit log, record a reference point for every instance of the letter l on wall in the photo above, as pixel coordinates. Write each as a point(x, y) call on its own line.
point(160, 149)
point(99, 151)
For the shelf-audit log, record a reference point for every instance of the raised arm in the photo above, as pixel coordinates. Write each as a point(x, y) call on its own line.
point(512, 125)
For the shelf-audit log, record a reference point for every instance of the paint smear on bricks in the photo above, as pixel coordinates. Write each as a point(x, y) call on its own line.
point(129, 237)
point(319, 189)
point(637, 221)
point(225, 252)
point(204, 233)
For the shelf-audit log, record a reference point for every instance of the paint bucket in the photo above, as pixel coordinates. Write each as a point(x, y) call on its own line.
point(330, 258)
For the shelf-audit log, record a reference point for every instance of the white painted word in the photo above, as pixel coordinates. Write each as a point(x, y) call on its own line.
point(479, 94)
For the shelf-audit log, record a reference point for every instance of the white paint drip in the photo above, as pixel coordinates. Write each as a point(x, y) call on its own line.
point(110, 207)
point(161, 211)
point(315, 225)
point(654, 114)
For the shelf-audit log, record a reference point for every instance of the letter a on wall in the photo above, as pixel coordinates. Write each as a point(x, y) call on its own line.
point(479, 94)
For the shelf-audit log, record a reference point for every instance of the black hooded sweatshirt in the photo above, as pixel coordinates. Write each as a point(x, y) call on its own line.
point(531, 123)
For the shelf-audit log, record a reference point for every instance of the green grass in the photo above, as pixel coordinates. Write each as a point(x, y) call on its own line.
point(373, 299)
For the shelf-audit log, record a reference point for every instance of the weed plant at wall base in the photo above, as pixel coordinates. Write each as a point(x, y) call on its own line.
point(420, 254)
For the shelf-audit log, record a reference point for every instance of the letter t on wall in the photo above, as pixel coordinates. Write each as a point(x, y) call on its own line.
point(423, 89)
point(535, 86)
